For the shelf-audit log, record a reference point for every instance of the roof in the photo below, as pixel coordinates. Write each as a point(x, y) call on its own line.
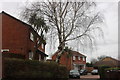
point(29, 26)
point(42, 53)
point(108, 61)
point(74, 53)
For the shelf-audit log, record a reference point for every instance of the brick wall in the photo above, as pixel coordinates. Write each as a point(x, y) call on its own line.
point(0, 46)
point(16, 36)
point(68, 61)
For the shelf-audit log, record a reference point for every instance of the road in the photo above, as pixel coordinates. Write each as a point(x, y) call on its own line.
point(88, 77)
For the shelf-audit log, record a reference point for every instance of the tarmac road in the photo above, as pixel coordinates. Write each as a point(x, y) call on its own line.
point(88, 77)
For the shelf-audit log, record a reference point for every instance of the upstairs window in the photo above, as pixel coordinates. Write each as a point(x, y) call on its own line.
point(42, 46)
point(38, 41)
point(73, 57)
point(31, 36)
point(83, 58)
point(78, 57)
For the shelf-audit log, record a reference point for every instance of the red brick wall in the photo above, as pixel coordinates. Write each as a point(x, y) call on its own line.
point(79, 61)
point(64, 61)
point(16, 36)
point(68, 61)
point(0, 46)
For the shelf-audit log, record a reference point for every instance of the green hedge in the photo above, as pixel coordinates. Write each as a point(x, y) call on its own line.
point(18, 68)
point(113, 68)
point(13, 55)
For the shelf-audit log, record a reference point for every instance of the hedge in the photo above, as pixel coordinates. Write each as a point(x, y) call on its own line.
point(18, 68)
point(101, 70)
point(13, 55)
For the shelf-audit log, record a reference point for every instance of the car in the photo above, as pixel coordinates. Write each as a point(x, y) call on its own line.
point(94, 72)
point(74, 74)
point(83, 72)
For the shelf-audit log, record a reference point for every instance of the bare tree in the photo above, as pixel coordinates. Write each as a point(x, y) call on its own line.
point(101, 57)
point(68, 20)
point(93, 61)
point(39, 25)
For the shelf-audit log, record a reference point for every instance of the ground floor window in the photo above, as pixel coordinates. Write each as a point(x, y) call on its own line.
point(30, 55)
point(39, 57)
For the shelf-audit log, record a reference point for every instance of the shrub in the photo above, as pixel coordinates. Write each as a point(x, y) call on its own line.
point(113, 68)
point(101, 70)
point(18, 68)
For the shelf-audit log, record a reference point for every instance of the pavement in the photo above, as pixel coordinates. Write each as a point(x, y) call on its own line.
point(88, 77)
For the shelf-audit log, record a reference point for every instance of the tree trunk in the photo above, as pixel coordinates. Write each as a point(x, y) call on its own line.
point(61, 51)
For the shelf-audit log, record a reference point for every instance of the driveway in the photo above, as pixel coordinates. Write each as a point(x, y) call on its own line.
point(88, 77)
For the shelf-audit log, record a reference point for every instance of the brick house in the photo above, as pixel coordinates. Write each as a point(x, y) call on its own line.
point(108, 61)
point(19, 38)
point(72, 60)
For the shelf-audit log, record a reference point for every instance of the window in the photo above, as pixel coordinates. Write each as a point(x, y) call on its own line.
point(30, 55)
point(83, 58)
point(73, 57)
point(38, 41)
point(42, 46)
point(4, 50)
point(78, 57)
point(44, 58)
point(31, 36)
point(39, 57)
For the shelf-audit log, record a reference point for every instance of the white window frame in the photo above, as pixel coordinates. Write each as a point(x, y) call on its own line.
point(83, 58)
point(44, 58)
point(74, 57)
point(31, 36)
point(5, 50)
point(30, 55)
point(78, 57)
point(39, 57)
point(42, 46)
point(38, 42)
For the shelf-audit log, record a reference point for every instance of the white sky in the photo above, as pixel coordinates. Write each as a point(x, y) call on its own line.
point(108, 46)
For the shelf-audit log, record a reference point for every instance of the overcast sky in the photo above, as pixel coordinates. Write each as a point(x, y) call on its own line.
point(107, 46)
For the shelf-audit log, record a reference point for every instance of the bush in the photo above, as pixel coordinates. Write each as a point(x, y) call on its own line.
point(13, 55)
point(101, 70)
point(113, 68)
point(18, 68)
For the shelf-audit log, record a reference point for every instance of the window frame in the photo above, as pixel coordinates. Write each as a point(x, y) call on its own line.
point(83, 58)
point(42, 46)
point(30, 55)
point(74, 57)
point(31, 36)
point(78, 57)
point(39, 57)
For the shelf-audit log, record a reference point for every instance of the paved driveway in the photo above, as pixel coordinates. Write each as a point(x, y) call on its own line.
point(88, 77)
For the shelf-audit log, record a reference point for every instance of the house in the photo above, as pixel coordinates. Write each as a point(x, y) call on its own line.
point(20, 38)
point(71, 59)
point(108, 61)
